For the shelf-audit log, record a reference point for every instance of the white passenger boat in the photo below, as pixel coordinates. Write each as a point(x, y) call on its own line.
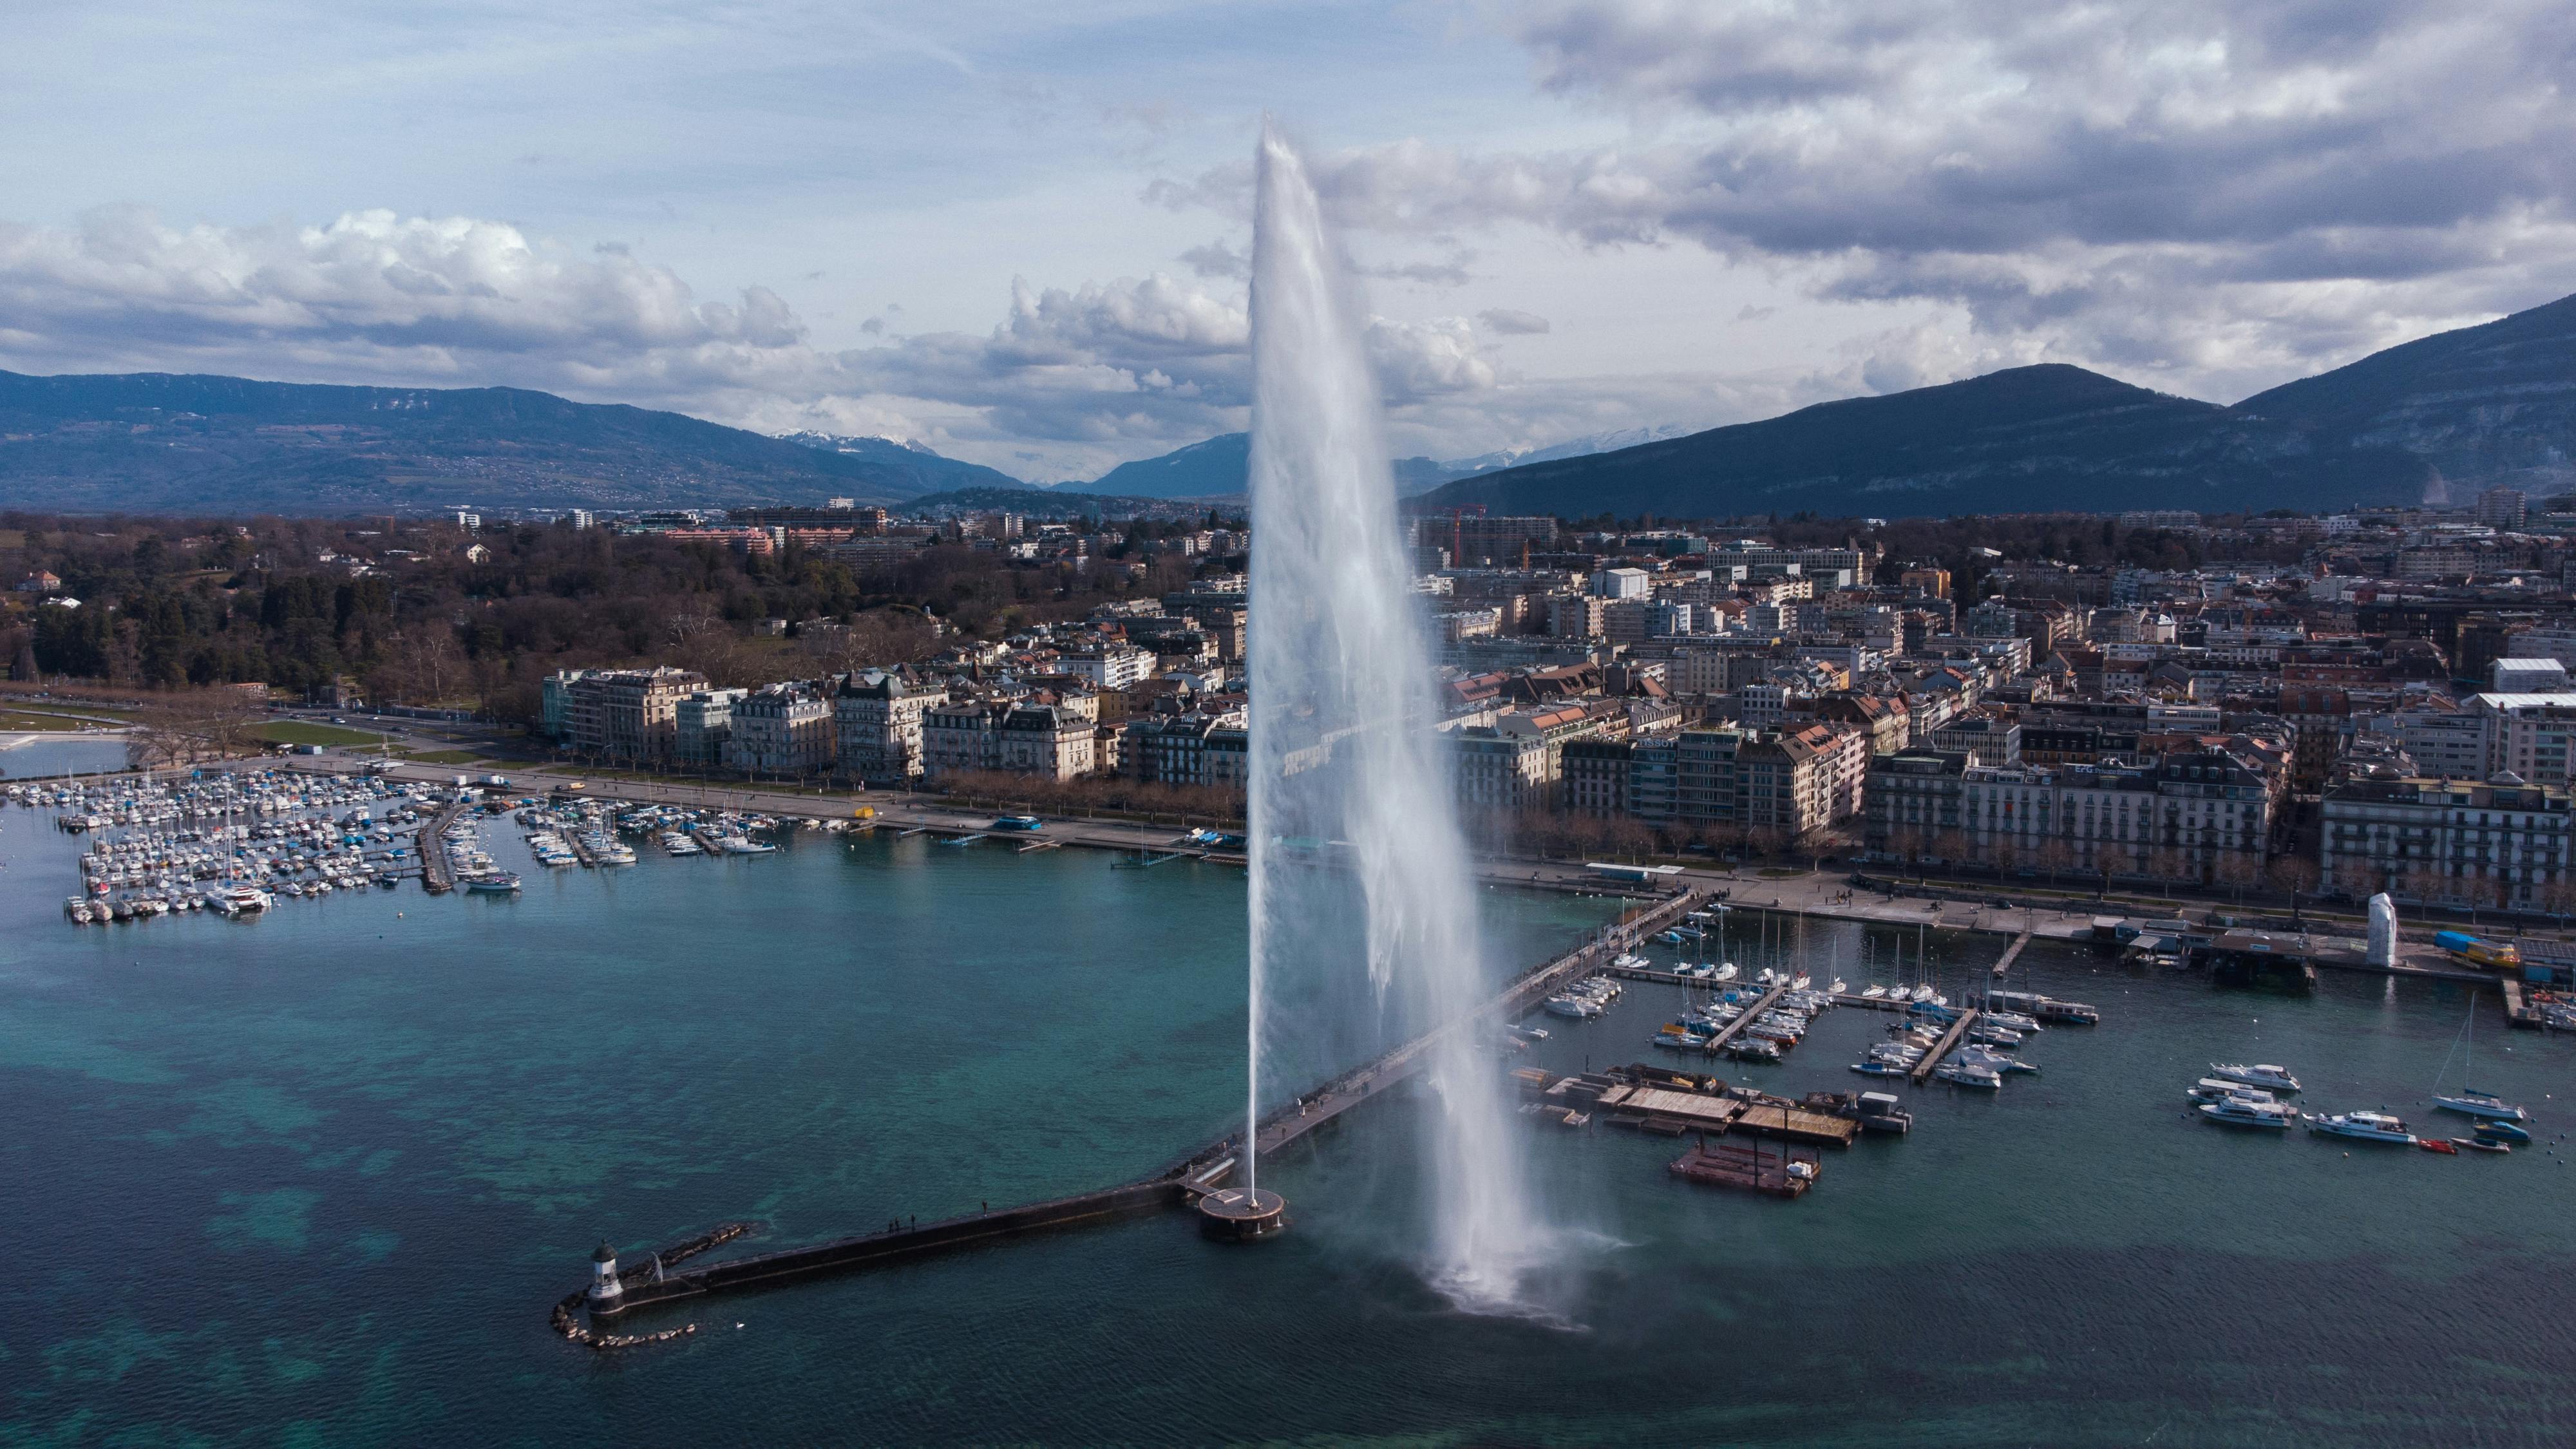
point(2245, 1111)
point(2361, 1126)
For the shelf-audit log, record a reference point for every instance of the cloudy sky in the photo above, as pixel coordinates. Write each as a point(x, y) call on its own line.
point(1017, 231)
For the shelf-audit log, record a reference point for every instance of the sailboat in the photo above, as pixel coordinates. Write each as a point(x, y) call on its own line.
point(2469, 1101)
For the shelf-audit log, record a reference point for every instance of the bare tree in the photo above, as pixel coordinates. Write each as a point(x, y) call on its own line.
point(2056, 856)
point(2237, 869)
point(2293, 874)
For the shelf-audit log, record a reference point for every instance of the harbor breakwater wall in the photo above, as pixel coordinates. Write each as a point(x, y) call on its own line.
point(1177, 1186)
point(896, 1242)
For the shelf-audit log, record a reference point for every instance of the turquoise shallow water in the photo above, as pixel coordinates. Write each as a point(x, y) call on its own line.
point(315, 1179)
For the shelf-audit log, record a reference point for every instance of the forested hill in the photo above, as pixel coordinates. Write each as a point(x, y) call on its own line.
point(2028, 439)
point(167, 443)
point(2454, 412)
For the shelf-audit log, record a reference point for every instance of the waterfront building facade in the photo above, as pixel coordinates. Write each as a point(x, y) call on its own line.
point(782, 729)
point(2479, 843)
point(628, 715)
point(878, 719)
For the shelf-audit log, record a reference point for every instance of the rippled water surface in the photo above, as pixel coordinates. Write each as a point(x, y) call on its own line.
point(315, 1179)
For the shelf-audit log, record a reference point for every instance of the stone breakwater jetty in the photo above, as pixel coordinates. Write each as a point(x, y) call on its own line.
point(620, 1286)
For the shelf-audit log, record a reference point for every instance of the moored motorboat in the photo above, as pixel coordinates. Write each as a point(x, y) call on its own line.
point(2244, 1111)
point(2361, 1127)
point(2259, 1074)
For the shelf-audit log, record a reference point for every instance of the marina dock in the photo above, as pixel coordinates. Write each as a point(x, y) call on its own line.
point(1747, 1017)
point(1663, 1109)
point(1949, 1040)
point(437, 872)
point(2012, 953)
point(1795, 1124)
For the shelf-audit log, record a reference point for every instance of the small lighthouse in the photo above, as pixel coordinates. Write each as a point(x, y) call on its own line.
point(605, 1290)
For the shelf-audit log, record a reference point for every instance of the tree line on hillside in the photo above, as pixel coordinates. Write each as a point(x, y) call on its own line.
point(432, 614)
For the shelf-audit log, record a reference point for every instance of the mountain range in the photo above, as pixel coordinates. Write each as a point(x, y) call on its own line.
point(166, 443)
point(2431, 419)
point(2428, 420)
point(1217, 468)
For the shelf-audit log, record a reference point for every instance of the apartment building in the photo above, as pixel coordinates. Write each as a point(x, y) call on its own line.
point(2499, 843)
point(958, 736)
point(1112, 666)
point(628, 714)
point(1046, 740)
point(704, 722)
point(1496, 770)
point(782, 729)
point(878, 720)
point(1784, 782)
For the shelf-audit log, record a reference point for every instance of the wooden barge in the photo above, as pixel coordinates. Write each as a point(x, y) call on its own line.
point(1750, 1167)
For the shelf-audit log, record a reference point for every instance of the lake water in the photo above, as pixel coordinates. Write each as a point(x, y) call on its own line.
point(34, 756)
point(316, 1179)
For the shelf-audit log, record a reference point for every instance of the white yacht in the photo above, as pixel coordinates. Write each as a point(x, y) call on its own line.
point(2364, 1126)
point(2260, 1074)
point(2246, 1111)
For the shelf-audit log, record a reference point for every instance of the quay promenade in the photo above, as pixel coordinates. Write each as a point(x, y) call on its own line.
point(1825, 894)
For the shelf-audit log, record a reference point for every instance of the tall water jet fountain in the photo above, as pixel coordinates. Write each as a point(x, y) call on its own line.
point(1362, 892)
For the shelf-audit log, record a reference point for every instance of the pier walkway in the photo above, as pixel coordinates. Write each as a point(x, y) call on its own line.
point(2012, 952)
point(1179, 1186)
point(1750, 1014)
point(1948, 1043)
point(437, 872)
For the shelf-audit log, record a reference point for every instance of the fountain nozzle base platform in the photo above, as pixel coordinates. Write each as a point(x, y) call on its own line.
point(1232, 1215)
